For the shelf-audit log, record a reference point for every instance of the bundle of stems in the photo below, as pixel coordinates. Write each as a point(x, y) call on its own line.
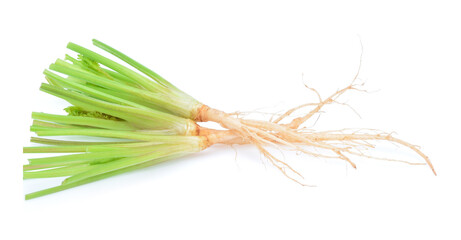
point(131, 119)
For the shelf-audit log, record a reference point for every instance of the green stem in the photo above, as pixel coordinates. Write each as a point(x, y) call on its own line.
point(146, 83)
point(48, 141)
point(143, 118)
point(57, 172)
point(134, 63)
point(127, 162)
point(166, 102)
point(91, 91)
point(54, 149)
point(93, 179)
point(84, 121)
point(132, 135)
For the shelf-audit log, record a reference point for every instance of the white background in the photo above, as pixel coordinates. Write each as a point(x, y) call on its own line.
point(247, 56)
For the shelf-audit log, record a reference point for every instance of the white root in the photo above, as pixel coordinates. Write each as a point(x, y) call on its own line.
point(291, 135)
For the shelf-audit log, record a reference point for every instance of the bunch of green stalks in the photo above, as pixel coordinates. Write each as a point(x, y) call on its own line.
point(133, 119)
